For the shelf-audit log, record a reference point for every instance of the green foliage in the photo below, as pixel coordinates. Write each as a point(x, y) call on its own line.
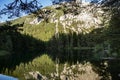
point(44, 31)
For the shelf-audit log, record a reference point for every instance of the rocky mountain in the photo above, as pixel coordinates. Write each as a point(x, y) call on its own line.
point(67, 17)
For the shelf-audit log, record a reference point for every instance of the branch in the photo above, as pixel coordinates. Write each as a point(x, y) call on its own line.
point(17, 7)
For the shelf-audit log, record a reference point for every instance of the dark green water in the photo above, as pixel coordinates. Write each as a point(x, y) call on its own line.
point(70, 56)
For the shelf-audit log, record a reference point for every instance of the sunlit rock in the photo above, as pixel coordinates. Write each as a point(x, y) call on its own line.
point(36, 75)
point(36, 20)
point(84, 3)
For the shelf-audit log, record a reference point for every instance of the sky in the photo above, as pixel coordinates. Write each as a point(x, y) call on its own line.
point(43, 2)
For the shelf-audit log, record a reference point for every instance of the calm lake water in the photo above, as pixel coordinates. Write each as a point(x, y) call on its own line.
point(71, 57)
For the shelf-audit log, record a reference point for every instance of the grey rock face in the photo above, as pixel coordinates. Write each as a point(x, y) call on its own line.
point(89, 16)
